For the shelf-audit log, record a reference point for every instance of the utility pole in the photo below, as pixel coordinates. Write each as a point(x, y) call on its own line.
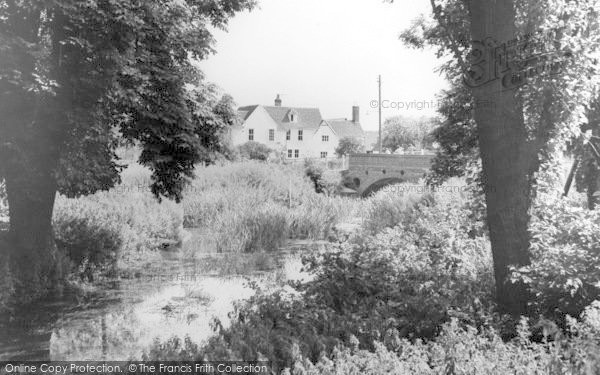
point(380, 140)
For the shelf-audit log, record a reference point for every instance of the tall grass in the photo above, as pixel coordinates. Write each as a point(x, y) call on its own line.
point(253, 206)
point(124, 225)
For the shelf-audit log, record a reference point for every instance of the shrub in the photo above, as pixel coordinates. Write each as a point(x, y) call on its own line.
point(315, 174)
point(88, 238)
point(325, 181)
point(464, 350)
point(387, 208)
point(404, 282)
point(565, 250)
point(254, 151)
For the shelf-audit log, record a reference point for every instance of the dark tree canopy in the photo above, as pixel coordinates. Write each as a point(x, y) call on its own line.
point(76, 75)
point(80, 77)
point(349, 145)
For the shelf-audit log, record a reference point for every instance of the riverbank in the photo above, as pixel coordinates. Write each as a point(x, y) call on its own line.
point(173, 296)
point(246, 207)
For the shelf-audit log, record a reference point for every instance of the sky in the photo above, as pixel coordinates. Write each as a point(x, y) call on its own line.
point(327, 54)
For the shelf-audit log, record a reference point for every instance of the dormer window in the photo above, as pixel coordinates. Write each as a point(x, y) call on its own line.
point(293, 116)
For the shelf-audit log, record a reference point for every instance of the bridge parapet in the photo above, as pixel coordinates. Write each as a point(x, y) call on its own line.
point(371, 172)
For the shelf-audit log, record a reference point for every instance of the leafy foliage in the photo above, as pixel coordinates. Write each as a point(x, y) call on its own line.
point(403, 282)
point(457, 137)
point(410, 292)
point(565, 268)
point(403, 132)
point(460, 350)
point(91, 68)
point(349, 145)
point(315, 173)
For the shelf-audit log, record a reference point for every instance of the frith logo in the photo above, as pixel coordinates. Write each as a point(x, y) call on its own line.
point(515, 61)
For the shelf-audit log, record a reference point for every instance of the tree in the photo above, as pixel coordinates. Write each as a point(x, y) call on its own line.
point(400, 131)
point(458, 151)
point(349, 145)
point(75, 76)
point(524, 106)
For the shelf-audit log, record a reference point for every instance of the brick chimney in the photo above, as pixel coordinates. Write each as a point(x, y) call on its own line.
point(278, 101)
point(356, 114)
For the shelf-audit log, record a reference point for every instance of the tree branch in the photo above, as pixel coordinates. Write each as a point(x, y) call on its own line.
point(453, 43)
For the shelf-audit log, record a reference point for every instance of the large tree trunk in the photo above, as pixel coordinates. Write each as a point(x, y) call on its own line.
point(504, 150)
point(34, 259)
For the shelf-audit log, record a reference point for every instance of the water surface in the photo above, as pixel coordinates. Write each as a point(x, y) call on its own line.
point(120, 319)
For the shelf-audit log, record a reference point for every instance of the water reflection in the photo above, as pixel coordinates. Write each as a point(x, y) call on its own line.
point(175, 298)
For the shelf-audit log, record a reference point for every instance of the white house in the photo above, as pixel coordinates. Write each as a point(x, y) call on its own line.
point(298, 132)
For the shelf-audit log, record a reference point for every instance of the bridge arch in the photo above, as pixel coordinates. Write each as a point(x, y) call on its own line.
point(380, 184)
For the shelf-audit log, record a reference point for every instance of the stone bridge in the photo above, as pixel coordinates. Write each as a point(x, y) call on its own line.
point(370, 173)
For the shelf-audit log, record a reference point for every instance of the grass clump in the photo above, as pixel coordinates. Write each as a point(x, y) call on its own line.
point(120, 228)
point(253, 206)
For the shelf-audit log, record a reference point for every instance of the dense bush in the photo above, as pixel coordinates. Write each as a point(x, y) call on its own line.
point(324, 180)
point(91, 239)
point(254, 151)
point(412, 291)
point(459, 350)
point(404, 282)
point(387, 208)
point(565, 271)
point(315, 174)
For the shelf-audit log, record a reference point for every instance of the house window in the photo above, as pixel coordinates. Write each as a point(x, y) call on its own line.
point(250, 134)
point(323, 155)
point(290, 153)
point(271, 135)
point(297, 154)
point(325, 138)
point(288, 135)
point(300, 135)
point(292, 118)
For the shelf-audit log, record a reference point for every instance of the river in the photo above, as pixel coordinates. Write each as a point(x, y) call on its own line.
point(120, 319)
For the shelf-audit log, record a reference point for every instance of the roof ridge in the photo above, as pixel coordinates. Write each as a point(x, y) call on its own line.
point(285, 107)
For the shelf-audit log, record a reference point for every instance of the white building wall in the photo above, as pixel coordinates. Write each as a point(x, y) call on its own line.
point(303, 146)
point(318, 145)
point(261, 123)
